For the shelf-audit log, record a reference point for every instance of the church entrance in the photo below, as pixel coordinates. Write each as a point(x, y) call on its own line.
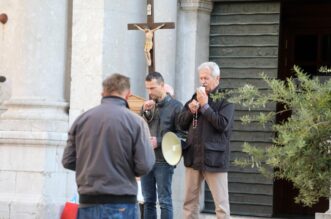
point(305, 40)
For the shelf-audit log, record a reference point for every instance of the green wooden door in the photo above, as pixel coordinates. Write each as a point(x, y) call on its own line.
point(244, 42)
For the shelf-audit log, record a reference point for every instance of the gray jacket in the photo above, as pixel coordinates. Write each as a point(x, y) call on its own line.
point(208, 144)
point(108, 146)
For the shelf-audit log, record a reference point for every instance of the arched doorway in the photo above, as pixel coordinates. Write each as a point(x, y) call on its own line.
point(305, 40)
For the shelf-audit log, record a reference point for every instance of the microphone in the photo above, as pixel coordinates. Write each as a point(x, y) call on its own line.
point(2, 79)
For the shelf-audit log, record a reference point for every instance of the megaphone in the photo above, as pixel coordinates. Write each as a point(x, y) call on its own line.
point(171, 148)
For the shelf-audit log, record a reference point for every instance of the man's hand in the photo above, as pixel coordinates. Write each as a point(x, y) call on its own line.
point(153, 142)
point(193, 106)
point(202, 97)
point(149, 104)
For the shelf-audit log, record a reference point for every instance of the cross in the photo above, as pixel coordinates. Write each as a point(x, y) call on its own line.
point(149, 28)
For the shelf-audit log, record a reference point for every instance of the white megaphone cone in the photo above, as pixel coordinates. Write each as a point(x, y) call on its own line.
point(171, 148)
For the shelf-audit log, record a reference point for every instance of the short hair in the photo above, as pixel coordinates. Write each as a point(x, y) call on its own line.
point(212, 66)
point(116, 83)
point(155, 75)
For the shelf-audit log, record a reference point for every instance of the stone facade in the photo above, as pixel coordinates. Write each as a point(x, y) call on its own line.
point(35, 121)
point(55, 55)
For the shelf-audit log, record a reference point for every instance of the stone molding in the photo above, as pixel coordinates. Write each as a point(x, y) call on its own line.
point(35, 109)
point(197, 5)
point(33, 138)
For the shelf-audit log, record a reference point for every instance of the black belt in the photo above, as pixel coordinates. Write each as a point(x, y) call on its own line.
point(107, 199)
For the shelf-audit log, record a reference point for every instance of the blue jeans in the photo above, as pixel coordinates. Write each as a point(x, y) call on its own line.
point(160, 176)
point(109, 211)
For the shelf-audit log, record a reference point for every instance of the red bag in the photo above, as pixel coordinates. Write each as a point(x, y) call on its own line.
point(70, 211)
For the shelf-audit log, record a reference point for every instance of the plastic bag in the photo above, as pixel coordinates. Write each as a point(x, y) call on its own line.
point(70, 209)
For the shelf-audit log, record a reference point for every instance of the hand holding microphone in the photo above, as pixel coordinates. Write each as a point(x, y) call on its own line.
point(202, 96)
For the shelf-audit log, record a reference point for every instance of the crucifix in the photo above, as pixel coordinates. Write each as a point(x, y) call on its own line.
point(149, 28)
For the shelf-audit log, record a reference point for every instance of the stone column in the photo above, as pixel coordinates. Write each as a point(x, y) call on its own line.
point(192, 49)
point(123, 49)
point(4, 81)
point(193, 44)
point(33, 128)
point(102, 45)
point(87, 54)
point(165, 40)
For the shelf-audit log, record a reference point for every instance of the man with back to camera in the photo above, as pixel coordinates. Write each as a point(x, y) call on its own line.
point(161, 113)
point(108, 147)
point(208, 117)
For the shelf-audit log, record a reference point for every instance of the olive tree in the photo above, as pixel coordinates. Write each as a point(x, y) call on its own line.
point(301, 149)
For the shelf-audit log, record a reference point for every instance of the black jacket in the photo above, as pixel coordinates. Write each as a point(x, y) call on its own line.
point(162, 120)
point(208, 144)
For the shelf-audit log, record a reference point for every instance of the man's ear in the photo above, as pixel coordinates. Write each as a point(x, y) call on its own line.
point(128, 94)
point(105, 93)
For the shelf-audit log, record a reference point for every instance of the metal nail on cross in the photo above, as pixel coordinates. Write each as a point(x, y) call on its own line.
point(149, 28)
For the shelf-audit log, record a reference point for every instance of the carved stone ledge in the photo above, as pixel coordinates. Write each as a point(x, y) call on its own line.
point(34, 115)
point(197, 5)
point(33, 138)
point(35, 109)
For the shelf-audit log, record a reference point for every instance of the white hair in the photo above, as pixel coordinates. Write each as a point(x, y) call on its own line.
point(212, 66)
point(169, 89)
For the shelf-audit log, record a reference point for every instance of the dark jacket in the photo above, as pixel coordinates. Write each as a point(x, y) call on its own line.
point(108, 146)
point(162, 120)
point(207, 146)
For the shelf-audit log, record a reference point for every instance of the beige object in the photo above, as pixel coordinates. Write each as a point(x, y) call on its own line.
point(135, 103)
point(202, 89)
point(171, 148)
point(149, 34)
point(169, 89)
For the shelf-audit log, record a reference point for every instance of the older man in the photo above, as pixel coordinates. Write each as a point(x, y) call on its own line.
point(209, 119)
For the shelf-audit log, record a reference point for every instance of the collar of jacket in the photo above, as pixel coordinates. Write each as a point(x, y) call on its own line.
point(116, 99)
point(166, 99)
point(216, 89)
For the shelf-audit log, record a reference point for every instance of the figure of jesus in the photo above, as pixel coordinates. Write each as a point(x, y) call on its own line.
point(149, 34)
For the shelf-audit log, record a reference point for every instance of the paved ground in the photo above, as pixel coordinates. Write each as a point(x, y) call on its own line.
point(206, 216)
point(232, 217)
point(211, 216)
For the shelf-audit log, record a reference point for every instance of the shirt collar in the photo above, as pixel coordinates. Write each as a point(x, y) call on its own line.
point(164, 100)
point(116, 99)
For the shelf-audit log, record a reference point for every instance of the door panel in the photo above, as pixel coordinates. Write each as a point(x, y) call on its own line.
point(305, 41)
